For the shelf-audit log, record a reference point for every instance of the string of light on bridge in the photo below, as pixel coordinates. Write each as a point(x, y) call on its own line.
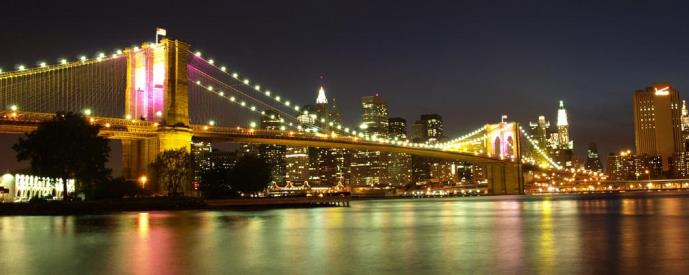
point(539, 150)
point(64, 63)
point(287, 103)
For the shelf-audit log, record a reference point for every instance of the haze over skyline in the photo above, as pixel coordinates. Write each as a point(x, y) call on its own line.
point(469, 62)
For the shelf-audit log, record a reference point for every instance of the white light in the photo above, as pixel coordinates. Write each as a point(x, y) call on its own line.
point(211, 61)
point(277, 98)
point(296, 108)
point(243, 103)
point(198, 82)
point(268, 93)
point(246, 81)
point(257, 87)
point(82, 58)
point(232, 98)
point(235, 75)
point(287, 103)
point(211, 123)
point(282, 128)
point(159, 114)
point(197, 53)
point(136, 48)
point(221, 93)
point(87, 112)
point(128, 116)
point(0, 71)
point(253, 108)
point(252, 124)
point(42, 64)
point(21, 67)
point(118, 52)
point(14, 108)
point(101, 55)
point(210, 88)
point(223, 68)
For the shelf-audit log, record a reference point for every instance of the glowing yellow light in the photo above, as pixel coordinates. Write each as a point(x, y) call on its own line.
point(221, 93)
point(232, 98)
point(143, 180)
point(136, 49)
point(107, 125)
point(87, 112)
point(211, 123)
point(128, 116)
point(252, 124)
point(14, 108)
point(21, 67)
point(82, 58)
point(63, 61)
point(662, 91)
point(42, 64)
point(253, 108)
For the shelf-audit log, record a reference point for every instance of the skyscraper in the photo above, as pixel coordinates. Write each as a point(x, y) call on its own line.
point(399, 165)
point(369, 168)
point(540, 129)
point(657, 122)
point(274, 155)
point(563, 141)
point(593, 159)
point(433, 127)
point(375, 116)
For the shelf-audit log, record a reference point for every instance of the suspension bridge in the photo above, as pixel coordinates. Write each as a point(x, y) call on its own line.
point(158, 96)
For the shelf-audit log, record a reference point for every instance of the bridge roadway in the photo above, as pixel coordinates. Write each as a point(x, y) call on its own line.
point(124, 129)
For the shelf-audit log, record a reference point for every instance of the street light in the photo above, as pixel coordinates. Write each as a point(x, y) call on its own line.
point(143, 180)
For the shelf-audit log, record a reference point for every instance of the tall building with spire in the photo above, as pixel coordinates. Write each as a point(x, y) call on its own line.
point(563, 141)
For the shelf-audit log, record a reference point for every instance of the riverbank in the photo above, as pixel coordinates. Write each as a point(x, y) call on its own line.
point(165, 203)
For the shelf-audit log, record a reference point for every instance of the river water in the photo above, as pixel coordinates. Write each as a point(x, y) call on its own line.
point(570, 234)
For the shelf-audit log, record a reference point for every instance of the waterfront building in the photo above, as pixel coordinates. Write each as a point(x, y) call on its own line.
point(657, 122)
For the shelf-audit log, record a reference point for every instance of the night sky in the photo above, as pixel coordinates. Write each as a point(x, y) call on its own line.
point(470, 62)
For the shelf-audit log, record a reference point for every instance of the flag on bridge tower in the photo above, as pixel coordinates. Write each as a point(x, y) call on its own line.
point(160, 31)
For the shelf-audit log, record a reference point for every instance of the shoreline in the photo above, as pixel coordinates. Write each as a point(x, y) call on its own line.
point(58, 208)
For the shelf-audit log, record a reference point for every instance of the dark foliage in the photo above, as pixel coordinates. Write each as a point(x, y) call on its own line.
point(251, 174)
point(172, 171)
point(117, 188)
point(67, 146)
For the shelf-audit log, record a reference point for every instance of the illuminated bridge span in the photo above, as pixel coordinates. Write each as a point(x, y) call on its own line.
point(156, 97)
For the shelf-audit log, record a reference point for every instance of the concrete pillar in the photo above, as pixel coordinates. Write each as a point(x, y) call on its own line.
point(505, 179)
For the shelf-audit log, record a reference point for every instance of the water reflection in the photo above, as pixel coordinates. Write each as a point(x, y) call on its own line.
point(627, 233)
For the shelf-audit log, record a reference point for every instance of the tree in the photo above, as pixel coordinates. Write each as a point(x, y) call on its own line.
point(216, 182)
point(67, 146)
point(171, 170)
point(251, 174)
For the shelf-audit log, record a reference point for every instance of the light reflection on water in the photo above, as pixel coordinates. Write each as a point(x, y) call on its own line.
point(628, 233)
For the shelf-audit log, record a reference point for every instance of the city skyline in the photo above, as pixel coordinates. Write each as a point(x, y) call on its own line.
point(452, 67)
